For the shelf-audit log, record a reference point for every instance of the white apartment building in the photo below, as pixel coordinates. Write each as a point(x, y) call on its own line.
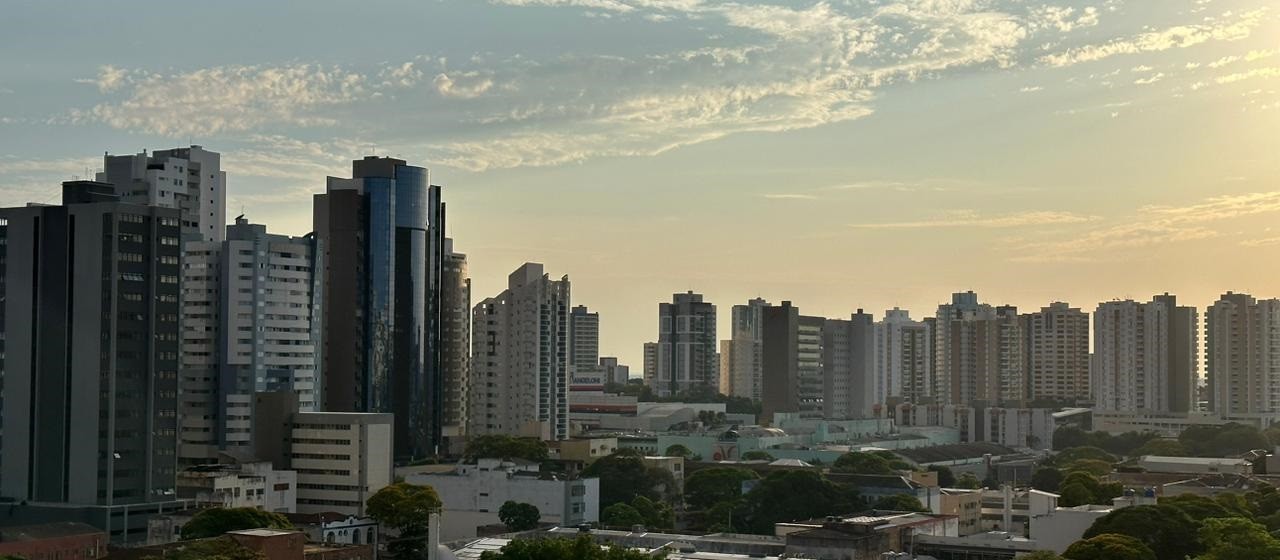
point(1058, 353)
point(520, 366)
point(342, 458)
point(1242, 352)
point(251, 323)
point(251, 484)
point(978, 352)
point(741, 357)
point(189, 179)
point(473, 494)
point(903, 356)
point(1144, 356)
point(455, 355)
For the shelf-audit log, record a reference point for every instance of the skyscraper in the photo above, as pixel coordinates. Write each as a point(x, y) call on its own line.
point(903, 356)
point(89, 305)
point(520, 366)
point(584, 345)
point(382, 232)
point(686, 352)
point(1242, 355)
point(188, 179)
point(251, 323)
point(792, 354)
point(979, 354)
point(1057, 353)
point(850, 387)
point(741, 355)
point(455, 339)
point(1144, 356)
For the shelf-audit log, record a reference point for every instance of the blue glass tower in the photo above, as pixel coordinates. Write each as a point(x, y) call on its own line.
point(383, 236)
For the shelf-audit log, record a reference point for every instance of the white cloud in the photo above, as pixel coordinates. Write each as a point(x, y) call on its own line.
point(970, 218)
point(1181, 36)
point(1030, 89)
point(466, 85)
point(789, 196)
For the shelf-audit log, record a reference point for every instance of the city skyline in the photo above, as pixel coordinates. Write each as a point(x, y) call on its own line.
point(826, 154)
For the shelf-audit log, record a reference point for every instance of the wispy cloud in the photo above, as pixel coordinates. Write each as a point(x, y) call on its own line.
point(789, 196)
point(1176, 37)
point(970, 218)
point(1261, 242)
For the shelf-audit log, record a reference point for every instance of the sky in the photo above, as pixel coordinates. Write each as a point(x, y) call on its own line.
point(840, 154)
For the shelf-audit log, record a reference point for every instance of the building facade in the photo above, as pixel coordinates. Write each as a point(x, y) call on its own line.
point(850, 388)
point(686, 357)
point(792, 354)
point(382, 233)
point(903, 358)
point(455, 339)
point(342, 459)
point(978, 352)
point(1057, 352)
point(189, 179)
point(1145, 356)
point(251, 323)
point(520, 364)
point(89, 321)
point(1242, 355)
point(742, 355)
point(614, 372)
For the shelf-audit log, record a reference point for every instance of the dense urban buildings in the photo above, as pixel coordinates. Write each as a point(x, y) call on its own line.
point(903, 358)
point(1242, 355)
point(520, 365)
point(978, 352)
point(741, 369)
point(251, 323)
point(1145, 356)
point(382, 233)
point(1057, 352)
point(685, 355)
point(849, 382)
point(90, 326)
point(189, 179)
point(614, 372)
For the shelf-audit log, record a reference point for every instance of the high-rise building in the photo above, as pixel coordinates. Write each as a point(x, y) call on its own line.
point(650, 373)
point(251, 323)
point(848, 367)
point(1144, 356)
point(188, 179)
point(520, 365)
point(903, 356)
point(1057, 352)
point(382, 232)
point(792, 353)
point(89, 307)
point(455, 339)
point(1242, 355)
point(584, 343)
point(686, 353)
point(614, 372)
point(978, 353)
point(741, 356)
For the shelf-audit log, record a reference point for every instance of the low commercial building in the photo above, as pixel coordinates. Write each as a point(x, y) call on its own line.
point(872, 487)
point(1012, 427)
point(1195, 465)
point(270, 544)
point(1010, 510)
point(862, 537)
point(994, 545)
point(583, 449)
point(473, 494)
point(54, 541)
point(966, 505)
point(336, 528)
point(237, 483)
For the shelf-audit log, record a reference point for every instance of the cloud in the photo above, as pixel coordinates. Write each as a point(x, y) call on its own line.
point(1149, 79)
point(467, 85)
point(1262, 242)
point(789, 196)
point(1030, 89)
point(1181, 36)
point(970, 218)
point(1249, 75)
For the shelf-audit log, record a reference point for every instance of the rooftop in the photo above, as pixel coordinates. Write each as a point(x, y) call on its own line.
point(47, 531)
point(1207, 461)
point(953, 452)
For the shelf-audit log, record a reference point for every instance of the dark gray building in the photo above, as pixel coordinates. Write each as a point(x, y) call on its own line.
point(382, 233)
point(455, 344)
point(686, 353)
point(89, 323)
point(791, 358)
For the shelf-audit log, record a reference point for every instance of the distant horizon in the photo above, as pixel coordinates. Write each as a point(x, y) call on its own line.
point(837, 155)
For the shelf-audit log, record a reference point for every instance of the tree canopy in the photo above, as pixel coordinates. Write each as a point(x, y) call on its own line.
point(946, 478)
point(796, 494)
point(220, 548)
point(1067, 437)
point(500, 446)
point(857, 462)
point(621, 515)
point(1109, 546)
point(1162, 448)
point(757, 455)
point(1236, 538)
point(679, 450)
point(1166, 530)
point(624, 476)
point(1048, 479)
point(581, 548)
point(519, 516)
point(215, 522)
point(707, 487)
point(899, 502)
point(1222, 441)
point(407, 509)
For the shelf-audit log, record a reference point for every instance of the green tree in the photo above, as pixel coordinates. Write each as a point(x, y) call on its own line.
point(1167, 530)
point(757, 455)
point(581, 548)
point(679, 450)
point(725, 516)
point(220, 548)
point(796, 494)
point(946, 478)
point(1199, 508)
point(1041, 555)
point(1235, 538)
point(1091, 466)
point(406, 508)
point(1222, 440)
point(624, 476)
point(1048, 479)
point(499, 446)
point(519, 516)
point(1264, 500)
point(1162, 448)
point(1074, 494)
point(1069, 436)
point(656, 515)
point(1109, 546)
point(1068, 456)
point(899, 502)
point(621, 515)
point(895, 461)
point(217, 521)
point(968, 481)
point(858, 462)
point(707, 487)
